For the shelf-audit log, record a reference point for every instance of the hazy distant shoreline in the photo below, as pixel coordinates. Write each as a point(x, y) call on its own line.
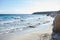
point(49, 13)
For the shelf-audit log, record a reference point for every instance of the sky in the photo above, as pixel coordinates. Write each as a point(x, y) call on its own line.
point(28, 6)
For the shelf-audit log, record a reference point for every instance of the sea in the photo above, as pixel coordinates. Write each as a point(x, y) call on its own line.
point(9, 22)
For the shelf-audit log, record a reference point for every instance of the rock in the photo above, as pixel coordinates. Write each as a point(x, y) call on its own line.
point(22, 20)
point(45, 36)
point(31, 26)
point(38, 18)
point(56, 24)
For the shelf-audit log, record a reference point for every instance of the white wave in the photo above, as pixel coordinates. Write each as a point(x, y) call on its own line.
point(16, 24)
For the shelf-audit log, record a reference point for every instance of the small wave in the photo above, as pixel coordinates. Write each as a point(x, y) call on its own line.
point(18, 24)
point(11, 30)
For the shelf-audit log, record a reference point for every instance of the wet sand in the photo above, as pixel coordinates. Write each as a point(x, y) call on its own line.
point(36, 34)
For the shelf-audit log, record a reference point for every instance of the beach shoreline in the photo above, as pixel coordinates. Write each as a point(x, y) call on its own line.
point(35, 29)
point(32, 35)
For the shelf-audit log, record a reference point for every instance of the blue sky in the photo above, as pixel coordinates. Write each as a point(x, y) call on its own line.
point(28, 6)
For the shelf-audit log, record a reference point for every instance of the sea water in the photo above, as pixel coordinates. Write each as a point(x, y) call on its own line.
point(14, 22)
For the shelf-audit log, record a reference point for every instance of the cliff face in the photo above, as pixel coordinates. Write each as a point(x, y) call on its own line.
point(51, 13)
point(57, 24)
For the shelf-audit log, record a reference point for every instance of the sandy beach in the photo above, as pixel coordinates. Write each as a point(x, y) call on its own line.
point(35, 35)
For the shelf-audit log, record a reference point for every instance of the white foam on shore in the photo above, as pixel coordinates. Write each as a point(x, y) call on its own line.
point(35, 21)
point(26, 32)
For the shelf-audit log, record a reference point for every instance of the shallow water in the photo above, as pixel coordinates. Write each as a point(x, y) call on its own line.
point(14, 21)
point(18, 26)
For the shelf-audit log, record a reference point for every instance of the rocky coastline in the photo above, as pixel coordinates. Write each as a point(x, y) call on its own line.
point(49, 13)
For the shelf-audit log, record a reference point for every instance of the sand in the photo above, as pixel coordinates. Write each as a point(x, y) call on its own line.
point(32, 36)
point(35, 35)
